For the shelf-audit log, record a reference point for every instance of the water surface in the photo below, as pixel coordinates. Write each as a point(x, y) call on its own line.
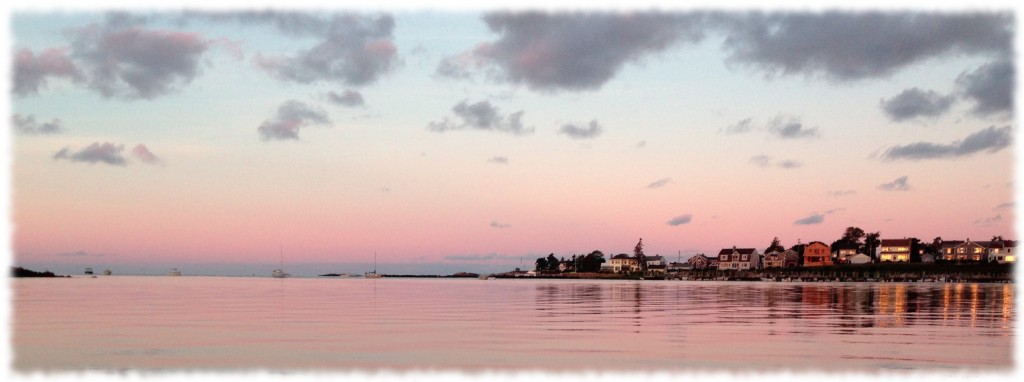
point(228, 323)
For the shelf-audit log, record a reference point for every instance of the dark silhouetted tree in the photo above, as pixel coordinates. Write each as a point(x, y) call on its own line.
point(775, 246)
point(552, 262)
point(871, 243)
point(541, 264)
point(638, 253)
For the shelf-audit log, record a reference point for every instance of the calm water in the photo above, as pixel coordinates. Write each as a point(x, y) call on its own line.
point(219, 323)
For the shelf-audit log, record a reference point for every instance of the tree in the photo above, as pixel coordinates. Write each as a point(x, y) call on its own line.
point(638, 252)
point(871, 242)
point(775, 246)
point(552, 263)
point(541, 264)
point(853, 234)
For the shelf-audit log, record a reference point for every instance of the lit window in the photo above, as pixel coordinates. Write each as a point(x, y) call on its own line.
point(1009, 259)
point(977, 250)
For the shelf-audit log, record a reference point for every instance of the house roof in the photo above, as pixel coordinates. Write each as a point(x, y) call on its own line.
point(742, 251)
point(895, 242)
point(845, 245)
point(621, 256)
point(811, 243)
point(655, 258)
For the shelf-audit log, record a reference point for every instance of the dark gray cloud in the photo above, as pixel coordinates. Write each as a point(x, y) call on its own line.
point(744, 126)
point(789, 164)
point(142, 153)
point(481, 116)
point(847, 46)
point(96, 152)
point(354, 50)
point(914, 102)
point(991, 88)
point(815, 218)
point(574, 131)
point(991, 139)
point(291, 117)
point(659, 183)
point(680, 220)
point(790, 127)
point(31, 71)
point(571, 51)
point(28, 125)
point(495, 224)
point(125, 60)
point(498, 160)
point(349, 98)
point(900, 184)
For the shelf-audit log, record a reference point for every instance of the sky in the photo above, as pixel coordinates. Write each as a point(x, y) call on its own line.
point(228, 141)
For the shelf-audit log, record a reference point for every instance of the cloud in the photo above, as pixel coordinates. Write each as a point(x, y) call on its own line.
point(762, 160)
point(28, 125)
point(850, 46)
point(495, 224)
point(349, 98)
point(659, 183)
point(741, 127)
point(105, 152)
point(838, 193)
point(125, 60)
point(680, 220)
point(292, 116)
point(834, 210)
point(990, 140)
point(990, 220)
point(355, 50)
point(592, 130)
point(641, 144)
point(498, 160)
point(900, 184)
point(31, 71)
point(914, 102)
point(790, 127)
point(570, 51)
point(79, 254)
point(991, 87)
point(815, 218)
point(1003, 206)
point(142, 153)
point(481, 116)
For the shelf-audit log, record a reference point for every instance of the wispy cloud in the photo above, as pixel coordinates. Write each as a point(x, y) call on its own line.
point(498, 160)
point(1004, 206)
point(741, 127)
point(991, 139)
point(680, 220)
point(900, 184)
point(28, 125)
point(790, 127)
point(495, 224)
point(106, 153)
point(487, 257)
point(839, 193)
point(79, 254)
point(815, 218)
point(142, 153)
point(989, 220)
point(291, 117)
point(659, 183)
point(575, 131)
point(481, 116)
point(762, 160)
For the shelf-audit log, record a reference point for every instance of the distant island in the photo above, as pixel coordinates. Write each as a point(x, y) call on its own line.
point(22, 272)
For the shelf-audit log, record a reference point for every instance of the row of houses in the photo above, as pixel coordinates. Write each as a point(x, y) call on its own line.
point(816, 254)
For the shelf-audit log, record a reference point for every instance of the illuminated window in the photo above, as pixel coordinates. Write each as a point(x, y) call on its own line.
point(1009, 259)
point(977, 250)
point(961, 250)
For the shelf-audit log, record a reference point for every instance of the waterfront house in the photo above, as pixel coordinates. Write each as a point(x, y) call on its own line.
point(895, 250)
point(739, 258)
point(817, 254)
point(843, 250)
point(781, 259)
point(656, 265)
point(700, 262)
point(947, 249)
point(624, 263)
point(969, 251)
point(1001, 251)
point(675, 267)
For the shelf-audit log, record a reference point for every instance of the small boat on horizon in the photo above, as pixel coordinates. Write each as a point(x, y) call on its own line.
point(374, 274)
point(88, 271)
point(279, 273)
point(107, 272)
point(174, 272)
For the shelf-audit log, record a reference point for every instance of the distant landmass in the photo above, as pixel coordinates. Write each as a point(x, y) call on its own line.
point(22, 272)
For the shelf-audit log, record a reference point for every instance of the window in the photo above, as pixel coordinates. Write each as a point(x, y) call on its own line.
point(960, 250)
point(743, 257)
point(723, 257)
point(1009, 259)
point(977, 249)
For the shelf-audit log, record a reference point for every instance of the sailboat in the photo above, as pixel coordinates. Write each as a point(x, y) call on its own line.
point(279, 272)
point(374, 274)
